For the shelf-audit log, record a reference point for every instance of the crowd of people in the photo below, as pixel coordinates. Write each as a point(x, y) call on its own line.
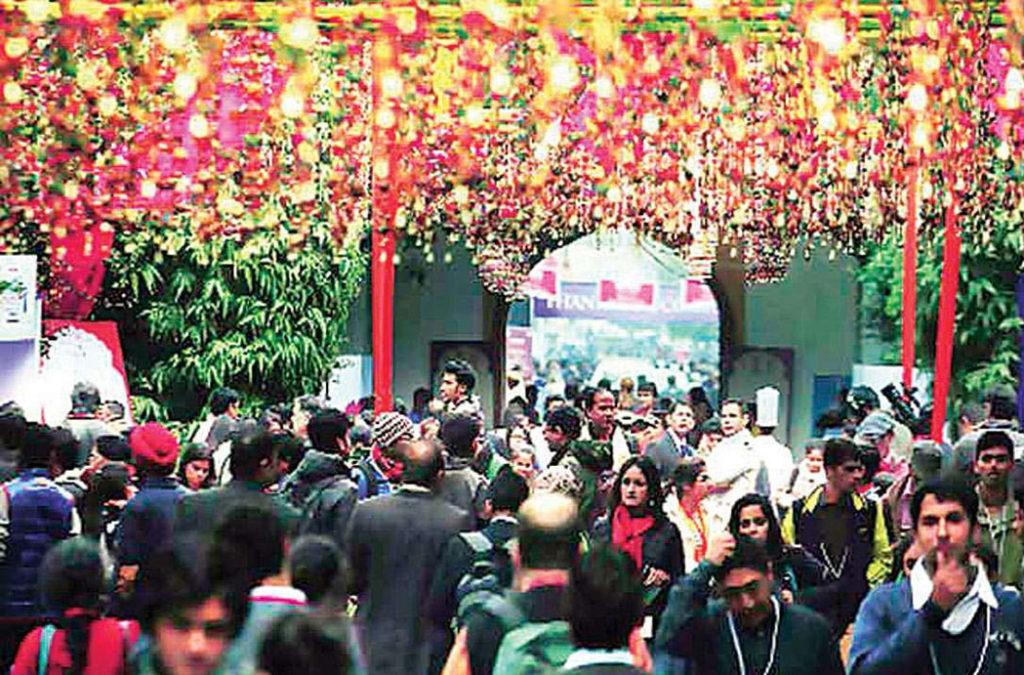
point(607, 530)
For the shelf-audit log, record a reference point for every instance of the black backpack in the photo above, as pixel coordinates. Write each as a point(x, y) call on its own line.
point(483, 581)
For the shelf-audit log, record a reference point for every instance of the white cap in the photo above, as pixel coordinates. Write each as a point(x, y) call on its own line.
point(767, 407)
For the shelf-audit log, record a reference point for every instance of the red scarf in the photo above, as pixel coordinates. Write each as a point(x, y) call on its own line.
point(628, 533)
point(392, 468)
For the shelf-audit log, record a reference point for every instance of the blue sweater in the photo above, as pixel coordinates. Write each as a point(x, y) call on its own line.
point(891, 637)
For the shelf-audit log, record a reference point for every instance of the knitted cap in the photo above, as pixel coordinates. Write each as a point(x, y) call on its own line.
point(391, 427)
point(876, 425)
point(153, 443)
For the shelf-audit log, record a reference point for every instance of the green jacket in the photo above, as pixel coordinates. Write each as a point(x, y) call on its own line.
point(998, 535)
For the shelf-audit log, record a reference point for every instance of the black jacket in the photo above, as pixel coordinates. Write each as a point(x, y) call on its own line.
point(202, 511)
point(662, 549)
point(321, 489)
point(395, 543)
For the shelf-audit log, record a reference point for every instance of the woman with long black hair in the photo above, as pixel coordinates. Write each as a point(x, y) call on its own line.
point(636, 523)
point(799, 577)
point(81, 639)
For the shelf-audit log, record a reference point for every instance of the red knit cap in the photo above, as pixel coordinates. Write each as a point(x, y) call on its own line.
point(153, 443)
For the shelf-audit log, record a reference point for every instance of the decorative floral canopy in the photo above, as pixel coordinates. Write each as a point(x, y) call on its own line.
point(514, 128)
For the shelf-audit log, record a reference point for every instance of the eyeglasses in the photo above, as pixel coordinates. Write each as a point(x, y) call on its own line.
point(756, 522)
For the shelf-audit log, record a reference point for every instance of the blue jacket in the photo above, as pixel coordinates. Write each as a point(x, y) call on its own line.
point(41, 515)
point(891, 637)
point(148, 519)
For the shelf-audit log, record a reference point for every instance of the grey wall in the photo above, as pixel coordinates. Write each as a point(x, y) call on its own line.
point(813, 310)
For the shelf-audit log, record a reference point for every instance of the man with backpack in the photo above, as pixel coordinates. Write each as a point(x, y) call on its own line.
point(526, 631)
point(379, 472)
point(844, 531)
point(320, 487)
point(475, 563)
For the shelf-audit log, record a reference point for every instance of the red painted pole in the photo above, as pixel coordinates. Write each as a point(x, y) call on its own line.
point(910, 278)
point(947, 320)
point(382, 237)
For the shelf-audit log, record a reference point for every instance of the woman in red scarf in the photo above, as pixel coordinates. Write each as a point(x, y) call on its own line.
point(636, 524)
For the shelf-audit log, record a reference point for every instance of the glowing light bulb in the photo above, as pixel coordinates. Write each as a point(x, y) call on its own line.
point(541, 152)
point(1003, 152)
point(147, 189)
point(185, 85)
point(71, 190)
point(391, 83)
point(604, 86)
point(36, 11)
point(820, 99)
point(292, 104)
point(829, 33)
point(650, 123)
point(461, 195)
point(917, 98)
point(827, 121)
point(381, 169)
point(1014, 80)
point(406, 23)
point(772, 169)
point(107, 105)
point(174, 33)
point(553, 134)
point(501, 81)
point(16, 47)
point(385, 118)
point(564, 74)
point(931, 63)
point(710, 94)
point(300, 33)
point(13, 92)
point(704, 5)
point(850, 170)
point(475, 115)
point(920, 136)
point(198, 126)
point(614, 194)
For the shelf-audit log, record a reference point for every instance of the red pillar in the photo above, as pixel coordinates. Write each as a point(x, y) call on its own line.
point(382, 280)
point(910, 278)
point(382, 237)
point(947, 319)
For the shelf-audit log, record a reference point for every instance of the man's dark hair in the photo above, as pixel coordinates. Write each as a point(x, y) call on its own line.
point(553, 398)
point(838, 451)
point(508, 490)
point(177, 578)
point(248, 451)
point(748, 555)
point(305, 643)
point(85, 398)
point(12, 431)
point(744, 409)
point(223, 398)
point(248, 545)
point(458, 433)
point(317, 567)
point(71, 576)
point(1002, 403)
point(463, 373)
point(947, 489)
point(66, 447)
point(994, 439)
point(687, 473)
point(566, 420)
point(115, 409)
point(590, 394)
point(605, 599)
point(360, 435)
point(326, 427)
point(422, 462)
point(972, 412)
point(549, 532)
point(649, 387)
point(38, 447)
point(309, 404)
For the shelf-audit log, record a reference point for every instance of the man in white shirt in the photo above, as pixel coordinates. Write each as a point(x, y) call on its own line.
point(734, 467)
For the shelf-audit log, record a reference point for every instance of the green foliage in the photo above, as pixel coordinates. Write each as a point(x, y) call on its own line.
point(256, 315)
point(985, 349)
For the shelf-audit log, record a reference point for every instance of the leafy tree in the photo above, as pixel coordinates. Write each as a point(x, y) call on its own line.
point(985, 347)
point(255, 314)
